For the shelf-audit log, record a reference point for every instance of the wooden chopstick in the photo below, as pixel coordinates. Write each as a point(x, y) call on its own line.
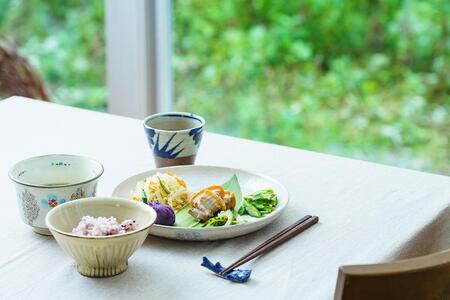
point(276, 240)
point(270, 240)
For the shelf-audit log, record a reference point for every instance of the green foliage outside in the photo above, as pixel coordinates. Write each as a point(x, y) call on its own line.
point(365, 79)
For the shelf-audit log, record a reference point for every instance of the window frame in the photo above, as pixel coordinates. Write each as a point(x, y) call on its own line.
point(138, 56)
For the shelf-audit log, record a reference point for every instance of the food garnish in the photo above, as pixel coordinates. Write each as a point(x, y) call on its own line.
point(224, 218)
point(144, 197)
point(164, 187)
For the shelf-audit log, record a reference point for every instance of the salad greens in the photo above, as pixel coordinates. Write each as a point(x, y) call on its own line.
point(259, 204)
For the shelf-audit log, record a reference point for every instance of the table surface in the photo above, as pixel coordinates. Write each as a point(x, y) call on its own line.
point(368, 213)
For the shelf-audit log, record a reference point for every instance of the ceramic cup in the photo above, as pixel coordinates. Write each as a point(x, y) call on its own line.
point(44, 182)
point(174, 137)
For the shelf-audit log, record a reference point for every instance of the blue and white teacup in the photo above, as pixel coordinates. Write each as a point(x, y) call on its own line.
point(174, 137)
point(44, 182)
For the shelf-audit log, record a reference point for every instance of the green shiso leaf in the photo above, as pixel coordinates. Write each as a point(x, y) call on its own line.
point(184, 219)
point(233, 185)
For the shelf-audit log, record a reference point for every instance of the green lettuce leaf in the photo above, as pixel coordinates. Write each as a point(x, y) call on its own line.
point(184, 219)
point(233, 185)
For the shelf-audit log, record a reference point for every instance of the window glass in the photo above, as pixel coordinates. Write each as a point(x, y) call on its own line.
point(364, 79)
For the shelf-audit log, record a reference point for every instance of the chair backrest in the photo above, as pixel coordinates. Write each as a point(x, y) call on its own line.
point(425, 277)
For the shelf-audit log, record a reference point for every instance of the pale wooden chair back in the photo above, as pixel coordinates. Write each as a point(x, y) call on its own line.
point(425, 277)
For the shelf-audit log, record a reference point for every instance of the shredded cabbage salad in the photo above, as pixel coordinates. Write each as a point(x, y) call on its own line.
point(166, 188)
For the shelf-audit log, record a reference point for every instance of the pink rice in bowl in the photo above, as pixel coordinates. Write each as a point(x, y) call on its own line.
point(102, 226)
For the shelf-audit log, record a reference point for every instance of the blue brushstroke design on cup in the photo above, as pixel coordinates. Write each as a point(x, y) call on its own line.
point(150, 134)
point(165, 151)
point(174, 135)
point(196, 134)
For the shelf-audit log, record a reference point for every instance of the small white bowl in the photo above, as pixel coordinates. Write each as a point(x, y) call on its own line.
point(100, 256)
point(44, 182)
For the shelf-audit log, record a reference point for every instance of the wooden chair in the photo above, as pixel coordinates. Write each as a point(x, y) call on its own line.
point(425, 277)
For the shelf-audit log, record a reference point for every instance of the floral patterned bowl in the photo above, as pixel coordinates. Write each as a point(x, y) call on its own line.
point(44, 182)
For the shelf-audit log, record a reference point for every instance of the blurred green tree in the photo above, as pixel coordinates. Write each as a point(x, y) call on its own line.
point(363, 79)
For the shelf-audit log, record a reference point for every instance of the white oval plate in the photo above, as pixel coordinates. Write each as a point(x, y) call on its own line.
point(198, 177)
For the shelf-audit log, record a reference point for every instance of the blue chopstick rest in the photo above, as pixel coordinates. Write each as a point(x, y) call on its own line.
point(237, 275)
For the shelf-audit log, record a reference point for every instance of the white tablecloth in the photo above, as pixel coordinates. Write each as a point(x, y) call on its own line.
point(368, 213)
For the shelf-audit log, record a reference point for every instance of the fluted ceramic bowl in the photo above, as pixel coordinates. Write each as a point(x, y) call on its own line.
point(100, 256)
